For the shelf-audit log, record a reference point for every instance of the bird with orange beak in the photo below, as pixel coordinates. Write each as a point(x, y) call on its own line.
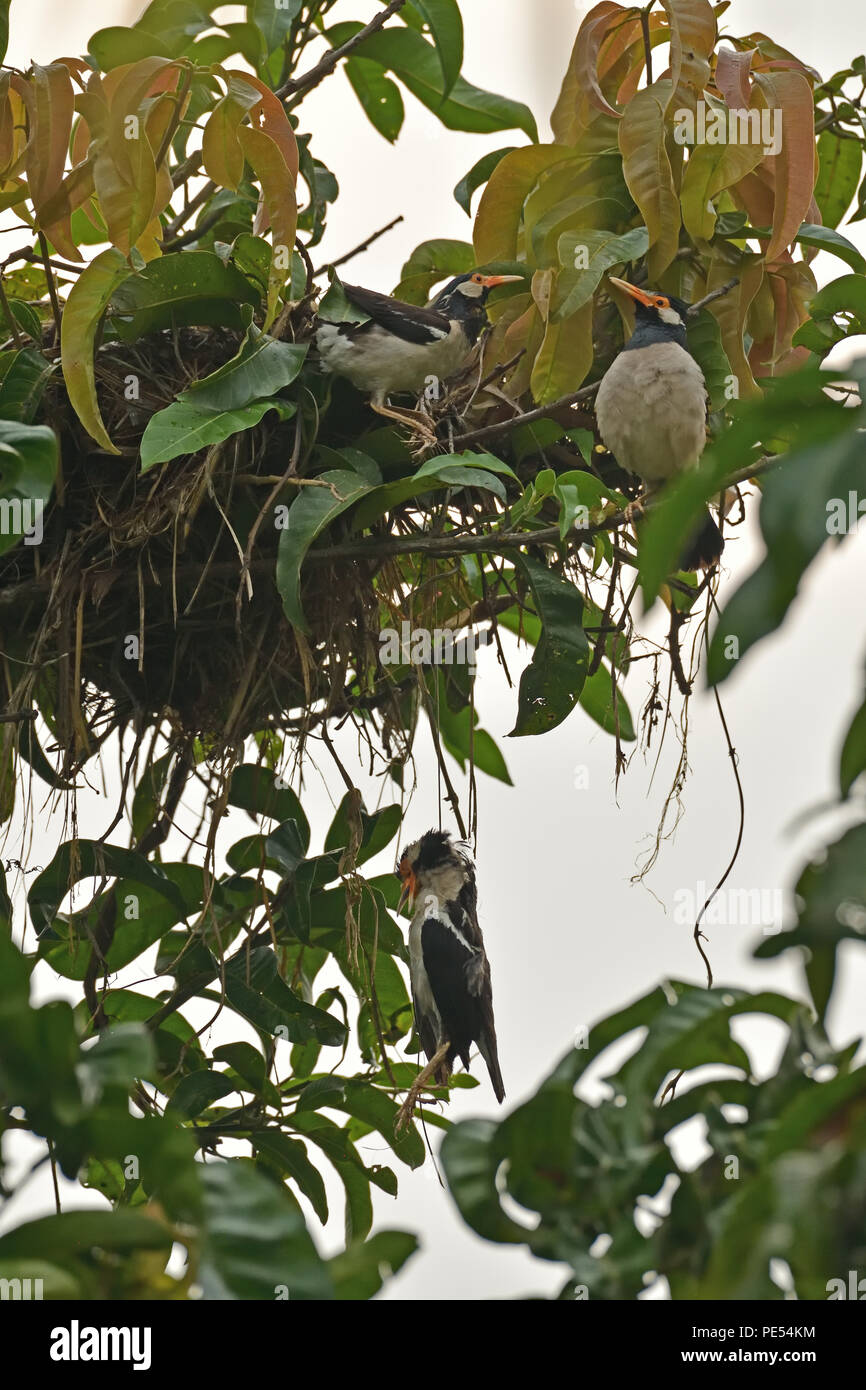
point(403, 347)
point(651, 407)
point(452, 995)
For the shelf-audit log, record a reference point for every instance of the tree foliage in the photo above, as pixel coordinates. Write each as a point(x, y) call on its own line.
point(226, 534)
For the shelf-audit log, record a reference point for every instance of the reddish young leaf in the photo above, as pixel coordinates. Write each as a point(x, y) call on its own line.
point(795, 164)
point(277, 209)
point(732, 76)
point(693, 38)
point(271, 116)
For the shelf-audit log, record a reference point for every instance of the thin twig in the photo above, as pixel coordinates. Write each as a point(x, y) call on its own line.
point(308, 80)
point(356, 250)
point(714, 294)
point(542, 412)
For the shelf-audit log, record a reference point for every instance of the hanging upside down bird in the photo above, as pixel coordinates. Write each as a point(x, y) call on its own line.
point(651, 407)
point(402, 346)
point(450, 974)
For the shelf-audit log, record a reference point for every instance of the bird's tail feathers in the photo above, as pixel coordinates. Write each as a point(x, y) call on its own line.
point(487, 1048)
point(705, 547)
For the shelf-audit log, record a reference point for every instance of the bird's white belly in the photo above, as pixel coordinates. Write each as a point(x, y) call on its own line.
point(379, 360)
point(418, 973)
point(651, 411)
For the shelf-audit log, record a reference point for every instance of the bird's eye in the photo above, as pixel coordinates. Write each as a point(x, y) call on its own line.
point(662, 303)
point(477, 279)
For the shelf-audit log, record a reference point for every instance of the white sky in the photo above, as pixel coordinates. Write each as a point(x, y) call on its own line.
point(569, 936)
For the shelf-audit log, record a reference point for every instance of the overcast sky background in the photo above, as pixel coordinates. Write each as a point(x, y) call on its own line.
point(570, 936)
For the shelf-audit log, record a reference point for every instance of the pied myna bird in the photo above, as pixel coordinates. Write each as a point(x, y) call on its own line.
point(451, 992)
point(651, 407)
point(402, 346)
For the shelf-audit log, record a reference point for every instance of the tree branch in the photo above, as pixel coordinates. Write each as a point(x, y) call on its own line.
point(308, 80)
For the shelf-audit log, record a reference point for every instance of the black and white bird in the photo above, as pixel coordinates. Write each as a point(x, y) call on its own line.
point(451, 991)
point(403, 347)
point(651, 407)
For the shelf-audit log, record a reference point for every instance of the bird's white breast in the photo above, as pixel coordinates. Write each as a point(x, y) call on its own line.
point(421, 987)
point(651, 411)
point(379, 360)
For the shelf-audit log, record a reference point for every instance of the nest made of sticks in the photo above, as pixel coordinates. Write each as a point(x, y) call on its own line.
point(142, 605)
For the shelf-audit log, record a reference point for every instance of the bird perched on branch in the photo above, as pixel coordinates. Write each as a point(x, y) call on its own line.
point(403, 347)
point(651, 407)
point(451, 992)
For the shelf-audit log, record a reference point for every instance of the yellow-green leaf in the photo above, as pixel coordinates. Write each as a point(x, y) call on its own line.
point(497, 222)
point(564, 358)
point(82, 316)
point(710, 169)
point(648, 175)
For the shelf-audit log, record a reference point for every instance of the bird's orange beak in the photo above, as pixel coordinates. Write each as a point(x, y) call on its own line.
point(491, 281)
point(640, 295)
point(410, 886)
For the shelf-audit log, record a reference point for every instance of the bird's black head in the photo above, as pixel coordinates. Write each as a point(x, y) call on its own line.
point(464, 297)
point(435, 850)
point(658, 317)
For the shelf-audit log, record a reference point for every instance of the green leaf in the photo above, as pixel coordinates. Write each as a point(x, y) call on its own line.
point(827, 239)
point(471, 1165)
point(233, 398)
point(438, 259)
point(24, 375)
point(254, 988)
point(178, 290)
point(273, 21)
point(416, 63)
point(551, 684)
point(185, 428)
point(815, 493)
point(93, 859)
point(115, 46)
point(260, 792)
point(478, 175)
point(838, 176)
point(313, 510)
point(378, 829)
point(82, 319)
point(120, 1056)
point(379, 97)
point(255, 1242)
point(596, 698)
point(28, 466)
point(360, 1271)
point(445, 23)
point(4, 27)
point(376, 1110)
point(443, 471)
point(705, 345)
point(72, 1233)
point(289, 1156)
point(831, 908)
point(197, 1091)
point(601, 250)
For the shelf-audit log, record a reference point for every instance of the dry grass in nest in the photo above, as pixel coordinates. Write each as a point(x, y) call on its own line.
point(139, 608)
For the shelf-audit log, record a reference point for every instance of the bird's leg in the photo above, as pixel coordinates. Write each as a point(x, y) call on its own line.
point(416, 420)
point(404, 1114)
point(636, 509)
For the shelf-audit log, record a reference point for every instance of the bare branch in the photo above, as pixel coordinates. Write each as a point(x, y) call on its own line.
point(323, 69)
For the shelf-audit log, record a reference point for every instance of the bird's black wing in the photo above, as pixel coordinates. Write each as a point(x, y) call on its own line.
point(407, 321)
point(447, 955)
